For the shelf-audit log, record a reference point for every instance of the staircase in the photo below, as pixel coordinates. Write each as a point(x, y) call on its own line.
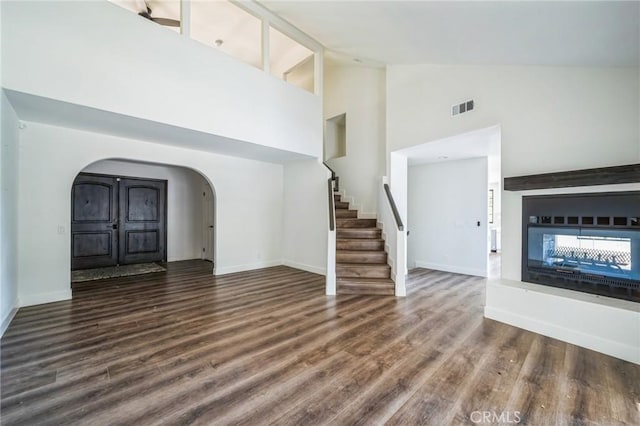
point(361, 261)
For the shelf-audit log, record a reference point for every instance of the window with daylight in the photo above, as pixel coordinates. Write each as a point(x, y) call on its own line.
point(290, 60)
point(228, 28)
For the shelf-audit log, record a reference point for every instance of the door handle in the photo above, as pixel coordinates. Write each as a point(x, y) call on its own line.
point(211, 226)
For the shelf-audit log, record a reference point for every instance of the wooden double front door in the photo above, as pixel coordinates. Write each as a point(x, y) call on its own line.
point(117, 221)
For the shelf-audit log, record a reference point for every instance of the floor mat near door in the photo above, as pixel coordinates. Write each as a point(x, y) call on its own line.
point(114, 272)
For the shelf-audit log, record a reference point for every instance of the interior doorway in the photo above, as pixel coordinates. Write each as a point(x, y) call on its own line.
point(117, 220)
point(208, 223)
point(453, 203)
point(495, 217)
point(181, 199)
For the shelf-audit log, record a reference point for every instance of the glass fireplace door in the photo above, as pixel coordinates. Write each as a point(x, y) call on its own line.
point(611, 253)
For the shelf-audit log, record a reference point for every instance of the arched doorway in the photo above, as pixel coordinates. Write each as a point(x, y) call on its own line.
point(126, 212)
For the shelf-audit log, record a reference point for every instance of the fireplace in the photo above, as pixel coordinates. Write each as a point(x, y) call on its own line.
point(584, 242)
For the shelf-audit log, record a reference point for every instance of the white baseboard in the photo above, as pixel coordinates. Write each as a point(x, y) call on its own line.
point(358, 207)
point(596, 343)
point(590, 322)
point(181, 258)
point(390, 262)
point(451, 268)
point(353, 205)
point(246, 267)
point(40, 298)
point(304, 267)
point(9, 317)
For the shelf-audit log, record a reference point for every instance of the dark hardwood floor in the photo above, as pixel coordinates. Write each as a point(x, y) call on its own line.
point(268, 347)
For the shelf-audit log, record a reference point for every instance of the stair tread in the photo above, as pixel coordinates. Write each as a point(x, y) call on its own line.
point(369, 257)
point(366, 286)
point(360, 244)
point(346, 214)
point(364, 265)
point(369, 293)
point(359, 233)
point(360, 252)
point(372, 281)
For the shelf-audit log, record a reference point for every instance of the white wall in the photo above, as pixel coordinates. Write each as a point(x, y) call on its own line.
point(184, 203)
point(358, 91)
point(248, 195)
point(551, 119)
point(305, 216)
point(99, 55)
point(8, 213)
point(398, 178)
point(445, 202)
point(581, 319)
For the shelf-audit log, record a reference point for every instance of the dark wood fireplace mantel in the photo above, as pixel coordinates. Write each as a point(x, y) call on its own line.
point(587, 177)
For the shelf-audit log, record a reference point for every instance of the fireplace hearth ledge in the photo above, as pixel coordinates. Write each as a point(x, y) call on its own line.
point(603, 324)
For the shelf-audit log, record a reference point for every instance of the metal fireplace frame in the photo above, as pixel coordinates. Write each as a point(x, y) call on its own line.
point(597, 211)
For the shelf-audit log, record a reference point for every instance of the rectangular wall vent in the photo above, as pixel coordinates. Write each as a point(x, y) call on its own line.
point(462, 108)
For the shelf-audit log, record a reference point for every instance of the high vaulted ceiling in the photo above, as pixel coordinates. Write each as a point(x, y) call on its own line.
point(571, 33)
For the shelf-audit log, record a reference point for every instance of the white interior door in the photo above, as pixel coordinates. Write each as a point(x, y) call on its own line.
point(208, 222)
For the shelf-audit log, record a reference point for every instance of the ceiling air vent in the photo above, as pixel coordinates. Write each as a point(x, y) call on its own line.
point(462, 108)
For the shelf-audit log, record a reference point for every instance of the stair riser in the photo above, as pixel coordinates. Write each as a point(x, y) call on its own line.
point(341, 205)
point(367, 271)
point(343, 213)
point(362, 244)
point(365, 291)
point(370, 286)
point(355, 257)
point(353, 234)
point(356, 223)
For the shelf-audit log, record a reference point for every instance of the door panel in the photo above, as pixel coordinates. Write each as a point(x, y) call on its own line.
point(142, 241)
point(208, 223)
point(87, 244)
point(142, 220)
point(143, 204)
point(94, 206)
